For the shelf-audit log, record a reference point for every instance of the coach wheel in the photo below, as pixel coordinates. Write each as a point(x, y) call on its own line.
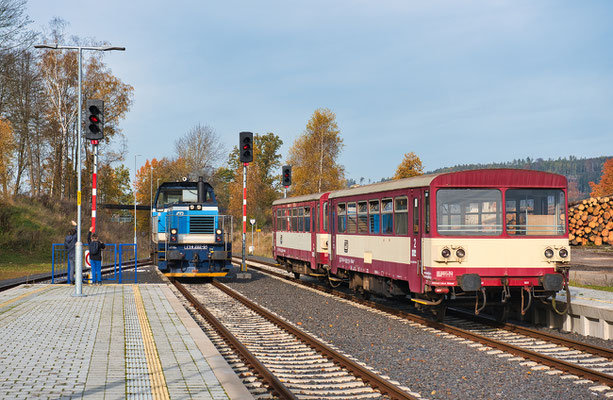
point(296, 275)
point(364, 294)
point(439, 312)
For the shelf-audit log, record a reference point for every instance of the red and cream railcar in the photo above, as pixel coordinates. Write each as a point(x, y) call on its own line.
point(482, 233)
point(300, 233)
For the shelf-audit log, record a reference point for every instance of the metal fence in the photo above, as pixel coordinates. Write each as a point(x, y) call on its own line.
point(113, 257)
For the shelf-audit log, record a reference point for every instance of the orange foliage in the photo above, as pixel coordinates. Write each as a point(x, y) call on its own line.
point(605, 186)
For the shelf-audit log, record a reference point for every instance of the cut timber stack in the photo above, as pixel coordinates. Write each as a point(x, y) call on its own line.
point(591, 222)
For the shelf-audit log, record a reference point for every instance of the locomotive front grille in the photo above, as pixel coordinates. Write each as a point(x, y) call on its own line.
point(201, 224)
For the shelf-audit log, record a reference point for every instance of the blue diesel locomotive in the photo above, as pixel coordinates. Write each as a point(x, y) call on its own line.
point(190, 238)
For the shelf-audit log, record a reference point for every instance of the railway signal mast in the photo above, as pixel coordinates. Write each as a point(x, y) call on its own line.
point(286, 178)
point(95, 132)
point(245, 156)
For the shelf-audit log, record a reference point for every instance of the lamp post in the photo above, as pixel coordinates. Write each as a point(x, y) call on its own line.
point(79, 244)
point(136, 155)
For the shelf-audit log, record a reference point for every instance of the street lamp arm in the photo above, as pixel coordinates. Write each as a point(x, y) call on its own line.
point(46, 46)
point(107, 48)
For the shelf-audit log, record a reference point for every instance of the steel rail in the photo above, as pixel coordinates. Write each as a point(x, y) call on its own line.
point(533, 333)
point(528, 354)
point(374, 380)
point(279, 388)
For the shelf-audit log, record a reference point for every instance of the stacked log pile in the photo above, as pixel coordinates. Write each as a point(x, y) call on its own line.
point(591, 222)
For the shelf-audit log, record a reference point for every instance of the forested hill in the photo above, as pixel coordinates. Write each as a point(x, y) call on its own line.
point(578, 171)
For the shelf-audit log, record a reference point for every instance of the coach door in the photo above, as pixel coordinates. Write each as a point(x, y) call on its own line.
point(416, 233)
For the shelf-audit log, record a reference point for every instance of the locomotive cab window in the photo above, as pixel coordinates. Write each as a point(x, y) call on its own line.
point(535, 212)
point(469, 212)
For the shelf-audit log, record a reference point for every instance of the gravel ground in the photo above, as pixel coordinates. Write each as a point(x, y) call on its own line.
point(434, 366)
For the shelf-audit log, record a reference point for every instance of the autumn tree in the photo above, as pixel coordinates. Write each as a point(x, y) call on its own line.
point(59, 74)
point(314, 156)
point(7, 145)
point(605, 186)
point(410, 166)
point(201, 149)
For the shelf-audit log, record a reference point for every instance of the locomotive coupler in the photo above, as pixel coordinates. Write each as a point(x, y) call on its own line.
point(553, 300)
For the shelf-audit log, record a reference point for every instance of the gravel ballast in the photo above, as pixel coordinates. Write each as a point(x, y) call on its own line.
point(436, 366)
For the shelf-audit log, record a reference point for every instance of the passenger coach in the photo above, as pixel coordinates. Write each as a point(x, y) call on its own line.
point(490, 236)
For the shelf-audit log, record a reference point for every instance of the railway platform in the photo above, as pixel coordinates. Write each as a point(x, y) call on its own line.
point(115, 342)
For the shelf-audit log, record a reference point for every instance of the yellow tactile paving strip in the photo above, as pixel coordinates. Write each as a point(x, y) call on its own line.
point(156, 374)
point(6, 303)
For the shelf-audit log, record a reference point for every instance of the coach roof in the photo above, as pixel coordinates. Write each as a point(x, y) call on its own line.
point(298, 199)
point(416, 181)
point(501, 177)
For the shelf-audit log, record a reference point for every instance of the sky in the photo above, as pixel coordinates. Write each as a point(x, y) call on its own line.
point(455, 82)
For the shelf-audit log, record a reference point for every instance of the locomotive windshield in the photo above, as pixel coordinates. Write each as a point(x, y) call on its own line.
point(168, 196)
point(479, 212)
point(469, 212)
point(535, 212)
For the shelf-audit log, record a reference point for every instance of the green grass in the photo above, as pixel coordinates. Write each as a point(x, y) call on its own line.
point(595, 287)
point(15, 265)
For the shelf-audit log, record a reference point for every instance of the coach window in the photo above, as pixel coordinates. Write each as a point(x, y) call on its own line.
point(352, 222)
point(341, 210)
point(316, 220)
point(294, 220)
point(307, 219)
point(415, 216)
point(362, 217)
point(387, 216)
point(286, 219)
point(325, 217)
point(300, 219)
point(373, 217)
point(401, 216)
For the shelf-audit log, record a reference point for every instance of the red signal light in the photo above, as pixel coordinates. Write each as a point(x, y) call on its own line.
point(93, 118)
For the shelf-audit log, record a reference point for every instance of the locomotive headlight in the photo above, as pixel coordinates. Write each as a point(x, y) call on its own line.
point(446, 253)
point(191, 207)
point(218, 231)
point(563, 252)
point(173, 231)
point(548, 253)
point(199, 207)
point(460, 253)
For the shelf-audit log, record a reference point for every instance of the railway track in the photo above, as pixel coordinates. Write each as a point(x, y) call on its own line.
point(43, 278)
point(564, 355)
point(293, 364)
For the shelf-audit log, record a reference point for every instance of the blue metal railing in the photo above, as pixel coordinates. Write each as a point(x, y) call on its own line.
point(113, 257)
point(134, 252)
